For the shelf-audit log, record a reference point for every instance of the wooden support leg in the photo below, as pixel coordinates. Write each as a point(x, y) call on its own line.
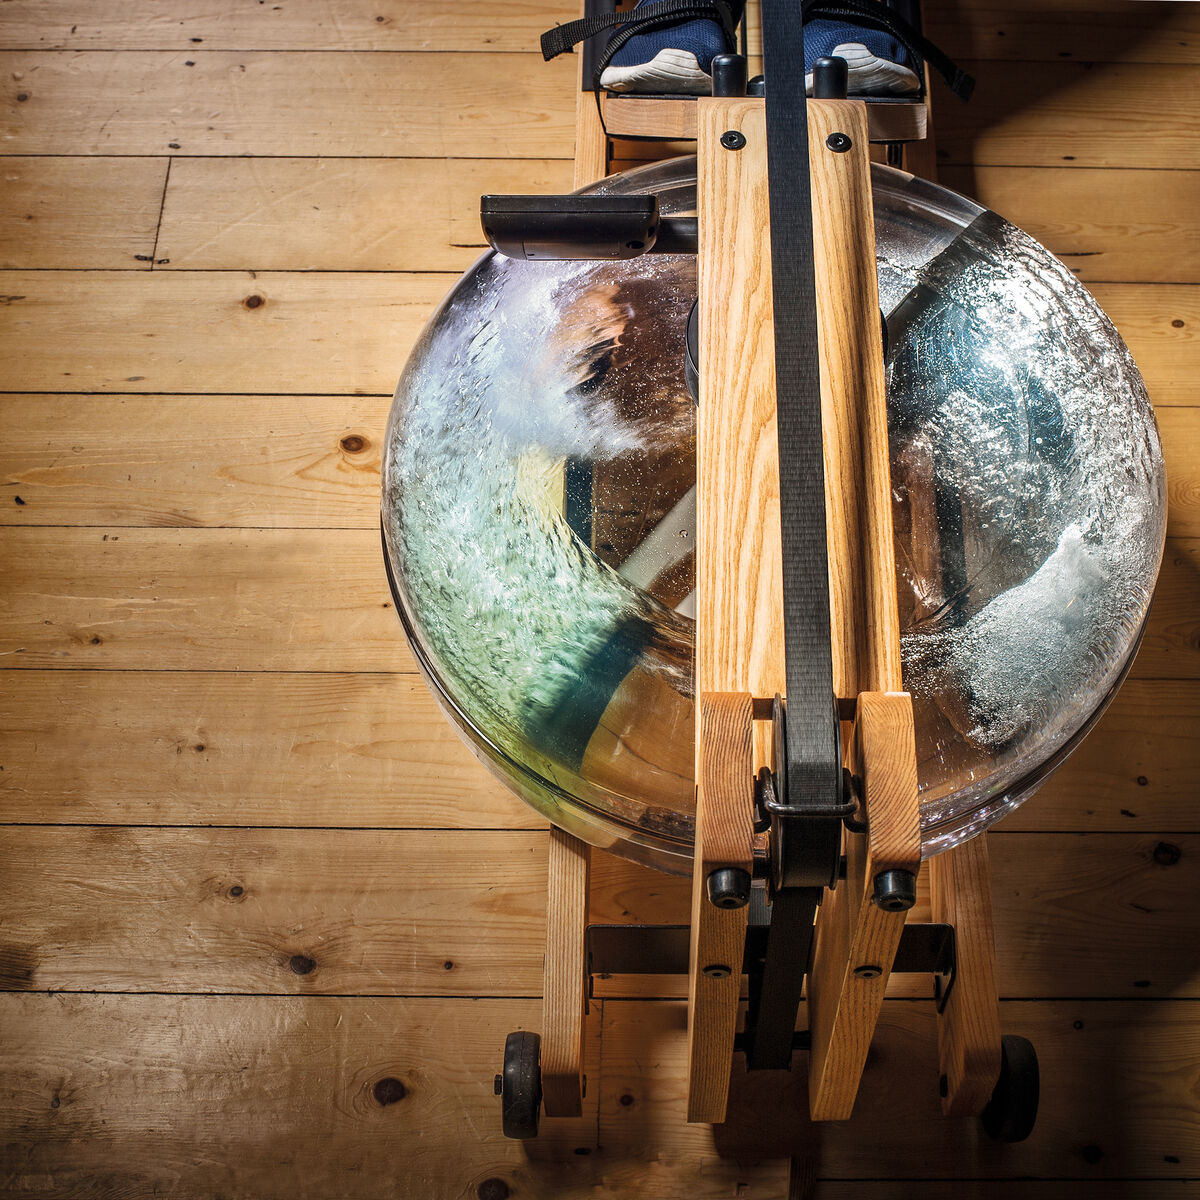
point(591, 142)
point(857, 940)
point(564, 998)
point(969, 1024)
point(724, 838)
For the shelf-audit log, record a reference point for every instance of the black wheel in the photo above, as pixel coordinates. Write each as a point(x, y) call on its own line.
point(521, 1085)
point(1012, 1110)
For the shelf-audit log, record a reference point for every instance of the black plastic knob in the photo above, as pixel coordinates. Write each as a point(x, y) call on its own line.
point(729, 75)
point(729, 887)
point(894, 891)
point(831, 77)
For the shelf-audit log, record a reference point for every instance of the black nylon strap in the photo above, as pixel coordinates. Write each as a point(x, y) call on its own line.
point(813, 771)
point(562, 38)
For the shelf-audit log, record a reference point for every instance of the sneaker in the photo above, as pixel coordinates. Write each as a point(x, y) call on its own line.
point(877, 62)
point(667, 59)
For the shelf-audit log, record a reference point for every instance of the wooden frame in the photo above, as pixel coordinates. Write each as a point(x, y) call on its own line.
point(739, 651)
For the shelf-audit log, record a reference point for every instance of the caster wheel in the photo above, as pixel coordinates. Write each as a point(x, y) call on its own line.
point(1012, 1110)
point(520, 1086)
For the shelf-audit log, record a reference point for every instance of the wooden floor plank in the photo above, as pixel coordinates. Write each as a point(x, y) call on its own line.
point(217, 332)
point(272, 461)
point(1070, 113)
point(343, 333)
point(296, 749)
point(1114, 225)
point(463, 913)
point(1117, 1081)
point(253, 461)
point(338, 214)
point(344, 104)
point(79, 212)
point(227, 748)
point(305, 911)
point(297, 25)
point(1136, 770)
point(295, 599)
point(279, 103)
point(1161, 325)
point(1180, 428)
point(1031, 30)
point(272, 600)
point(270, 214)
point(202, 1097)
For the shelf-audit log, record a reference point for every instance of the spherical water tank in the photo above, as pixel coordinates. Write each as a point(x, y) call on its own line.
point(539, 500)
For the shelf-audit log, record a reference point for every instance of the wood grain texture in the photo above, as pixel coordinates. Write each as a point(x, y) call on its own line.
point(340, 333)
point(667, 118)
point(739, 576)
point(591, 138)
point(969, 1024)
point(1097, 916)
point(199, 910)
point(258, 461)
point(1065, 113)
point(564, 996)
point(72, 212)
point(1028, 30)
point(306, 599)
point(852, 932)
point(245, 461)
point(371, 750)
point(298, 25)
point(175, 331)
point(858, 491)
point(345, 214)
point(205, 599)
point(225, 748)
point(1180, 430)
point(1110, 1079)
point(374, 1097)
point(337, 104)
point(1161, 325)
point(1106, 225)
point(724, 838)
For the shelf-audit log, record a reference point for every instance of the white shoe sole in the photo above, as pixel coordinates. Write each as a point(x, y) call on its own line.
point(670, 71)
point(871, 76)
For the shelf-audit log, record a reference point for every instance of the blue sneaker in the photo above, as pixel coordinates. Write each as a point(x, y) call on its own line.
point(675, 58)
point(878, 62)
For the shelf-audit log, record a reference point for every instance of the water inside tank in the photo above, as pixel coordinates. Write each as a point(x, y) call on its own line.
point(539, 500)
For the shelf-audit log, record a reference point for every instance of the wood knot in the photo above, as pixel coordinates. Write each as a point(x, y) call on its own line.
point(389, 1091)
point(1092, 1154)
point(301, 964)
point(353, 444)
point(492, 1189)
point(237, 892)
point(1177, 323)
point(448, 965)
point(1166, 854)
point(253, 302)
point(22, 97)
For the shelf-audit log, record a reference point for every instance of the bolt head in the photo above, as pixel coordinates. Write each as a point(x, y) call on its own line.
point(717, 971)
point(839, 143)
point(868, 971)
point(733, 139)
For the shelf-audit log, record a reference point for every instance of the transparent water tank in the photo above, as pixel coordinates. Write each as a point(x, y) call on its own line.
point(539, 499)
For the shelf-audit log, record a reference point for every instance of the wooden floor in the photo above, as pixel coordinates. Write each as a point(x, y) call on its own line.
point(264, 923)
